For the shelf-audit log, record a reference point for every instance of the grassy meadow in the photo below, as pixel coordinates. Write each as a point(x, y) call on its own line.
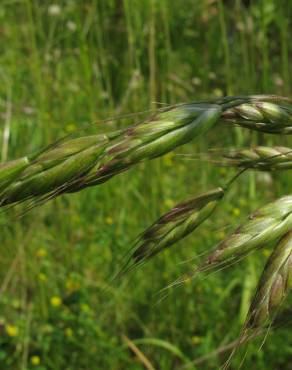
point(68, 63)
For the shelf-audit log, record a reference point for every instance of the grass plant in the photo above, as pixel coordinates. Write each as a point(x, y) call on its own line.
point(67, 64)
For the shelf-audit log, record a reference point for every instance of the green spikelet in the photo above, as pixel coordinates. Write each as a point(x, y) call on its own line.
point(274, 284)
point(54, 178)
point(266, 225)
point(261, 158)
point(188, 122)
point(9, 171)
point(262, 115)
point(176, 224)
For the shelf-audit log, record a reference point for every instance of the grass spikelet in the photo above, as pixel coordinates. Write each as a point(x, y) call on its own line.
point(74, 164)
point(261, 158)
point(262, 115)
point(48, 180)
point(178, 126)
point(274, 284)
point(77, 163)
point(271, 291)
point(176, 224)
point(9, 171)
point(172, 227)
point(265, 225)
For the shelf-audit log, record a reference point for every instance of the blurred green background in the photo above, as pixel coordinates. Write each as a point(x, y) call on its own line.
point(65, 64)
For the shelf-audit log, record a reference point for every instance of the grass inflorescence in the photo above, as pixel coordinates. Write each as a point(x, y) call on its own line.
point(66, 64)
point(73, 164)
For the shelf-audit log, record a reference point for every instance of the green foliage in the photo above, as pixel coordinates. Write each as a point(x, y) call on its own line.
point(70, 63)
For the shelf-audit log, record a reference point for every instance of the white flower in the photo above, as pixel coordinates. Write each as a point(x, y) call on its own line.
point(54, 9)
point(196, 81)
point(71, 26)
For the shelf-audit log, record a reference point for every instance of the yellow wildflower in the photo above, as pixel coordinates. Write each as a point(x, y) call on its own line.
point(196, 339)
point(70, 127)
point(41, 252)
point(169, 203)
point(236, 211)
point(35, 360)
point(84, 307)
point(69, 332)
point(11, 330)
point(56, 301)
point(72, 285)
point(109, 220)
point(42, 277)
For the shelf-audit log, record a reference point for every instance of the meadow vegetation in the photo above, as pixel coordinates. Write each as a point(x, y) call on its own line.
point(67, 64)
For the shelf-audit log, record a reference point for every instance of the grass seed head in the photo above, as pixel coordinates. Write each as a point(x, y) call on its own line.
point(177, 127)
point(74, 164)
